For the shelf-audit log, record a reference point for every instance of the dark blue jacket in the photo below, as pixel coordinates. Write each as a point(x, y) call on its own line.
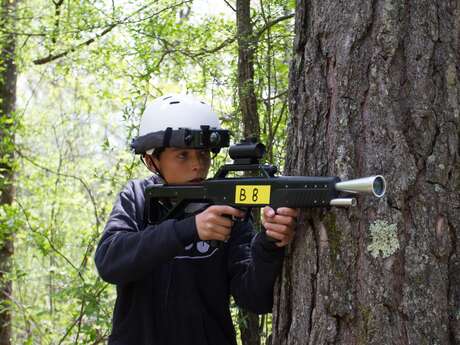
point(173, 288)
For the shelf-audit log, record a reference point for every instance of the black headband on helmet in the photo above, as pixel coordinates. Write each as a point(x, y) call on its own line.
point(204, 138)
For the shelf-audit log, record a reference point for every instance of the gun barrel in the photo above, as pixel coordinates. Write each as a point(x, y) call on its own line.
point(343, 202)
point(372, 184)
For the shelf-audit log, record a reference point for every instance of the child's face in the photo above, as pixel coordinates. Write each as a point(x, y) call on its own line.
point(183, 165)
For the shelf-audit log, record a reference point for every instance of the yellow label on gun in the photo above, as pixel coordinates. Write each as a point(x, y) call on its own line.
point(254, 195)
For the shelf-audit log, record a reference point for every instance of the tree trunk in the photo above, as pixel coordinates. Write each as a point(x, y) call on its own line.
point(8, 78)
point(248, 322)
point(374, 88)
point(246, 48)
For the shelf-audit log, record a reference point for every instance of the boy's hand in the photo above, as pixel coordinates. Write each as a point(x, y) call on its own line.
point(214, 223)
point(280, 225)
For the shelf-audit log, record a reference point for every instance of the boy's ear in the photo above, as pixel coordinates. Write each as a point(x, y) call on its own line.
point(150, 162)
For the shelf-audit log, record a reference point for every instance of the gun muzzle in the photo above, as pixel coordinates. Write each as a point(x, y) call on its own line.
point(372, 184)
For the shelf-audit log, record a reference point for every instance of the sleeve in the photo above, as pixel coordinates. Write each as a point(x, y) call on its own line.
point(254, 263)
point(126, 252)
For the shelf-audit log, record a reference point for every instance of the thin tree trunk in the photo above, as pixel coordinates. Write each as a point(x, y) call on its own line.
point(246, 48)
point(249, 322)
point(374, 88)
point(8, 78)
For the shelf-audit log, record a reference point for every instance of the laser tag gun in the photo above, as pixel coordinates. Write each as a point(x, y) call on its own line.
point(261, 190)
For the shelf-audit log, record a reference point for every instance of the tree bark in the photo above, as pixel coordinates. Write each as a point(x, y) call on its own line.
point(8, 78)
point(249, 322)
point(374, 88)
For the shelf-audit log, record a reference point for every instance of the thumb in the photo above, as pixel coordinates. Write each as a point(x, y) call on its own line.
point(269, 212)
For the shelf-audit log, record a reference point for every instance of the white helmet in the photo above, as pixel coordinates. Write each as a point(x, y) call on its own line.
point(179, 121)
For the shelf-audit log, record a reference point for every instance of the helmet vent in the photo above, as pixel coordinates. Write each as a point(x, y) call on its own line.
point(202, 102)
point(164, 99)
point(174, 102)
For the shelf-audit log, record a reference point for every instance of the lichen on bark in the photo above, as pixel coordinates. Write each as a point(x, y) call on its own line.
point(384, 239)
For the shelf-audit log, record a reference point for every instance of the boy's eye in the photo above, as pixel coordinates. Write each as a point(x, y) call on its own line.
point(203, 154)
point(182, 155)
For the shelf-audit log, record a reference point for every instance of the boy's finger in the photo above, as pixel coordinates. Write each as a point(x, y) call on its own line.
point(281, 243)
point(287, 211)
point(220, 230)
point(279, 228)
point(275, 235)
point(223, 221)
point(285, 220)
point(228, 210)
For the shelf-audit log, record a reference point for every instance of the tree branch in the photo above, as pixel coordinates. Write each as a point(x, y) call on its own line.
point(84, 184)
point(26, 313)
point(57, 15)
point(52, 246)
point(230, 5)
point(79, 319)
point(52, 57)
point(272, 23)
point(229, 41)
point(224, 44)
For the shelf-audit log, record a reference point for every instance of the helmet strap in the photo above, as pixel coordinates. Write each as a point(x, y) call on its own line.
point(157, 171)
point(167, 136)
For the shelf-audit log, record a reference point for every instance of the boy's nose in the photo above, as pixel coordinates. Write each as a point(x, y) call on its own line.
point(196, 163)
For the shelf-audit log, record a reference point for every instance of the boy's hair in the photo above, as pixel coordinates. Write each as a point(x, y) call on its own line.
point(157, 152)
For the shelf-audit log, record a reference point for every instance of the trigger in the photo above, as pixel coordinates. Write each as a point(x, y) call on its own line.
point(247, 215)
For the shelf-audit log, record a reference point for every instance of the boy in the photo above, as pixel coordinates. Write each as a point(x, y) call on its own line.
point(173, 287)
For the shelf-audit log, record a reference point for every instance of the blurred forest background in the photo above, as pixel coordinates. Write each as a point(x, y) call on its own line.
point(84, 71)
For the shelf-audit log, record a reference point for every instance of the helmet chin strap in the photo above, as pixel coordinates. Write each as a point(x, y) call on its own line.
point(156, 171)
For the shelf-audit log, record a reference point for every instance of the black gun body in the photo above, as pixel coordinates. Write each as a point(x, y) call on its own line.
point(247, 192)
point(288, 191)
